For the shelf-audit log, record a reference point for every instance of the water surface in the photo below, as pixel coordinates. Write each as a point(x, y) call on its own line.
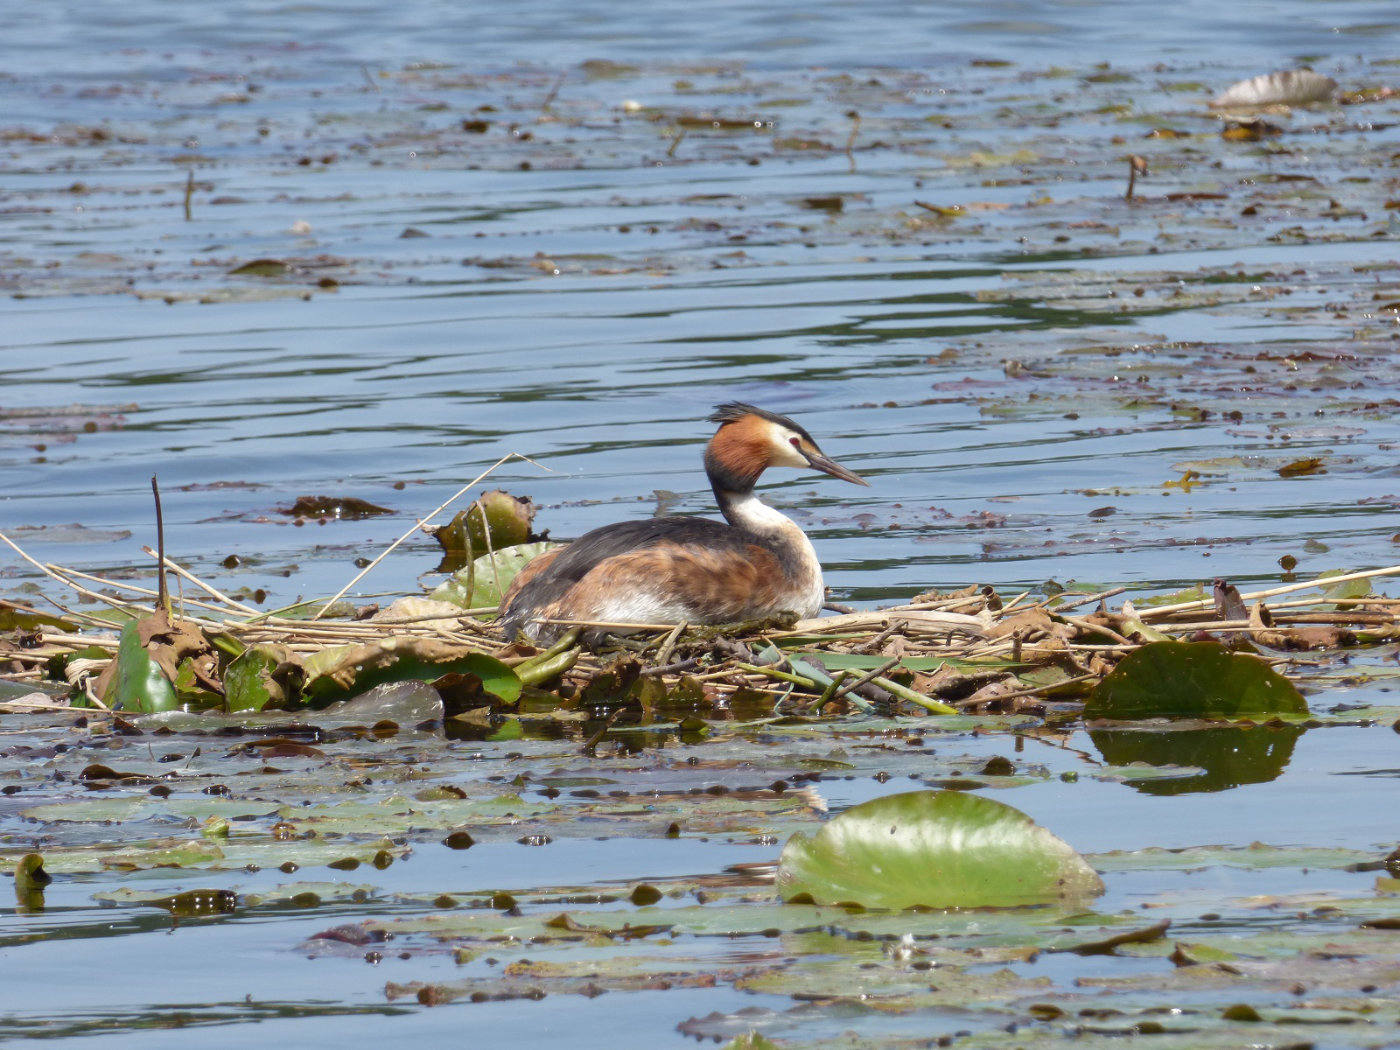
point(512, 231)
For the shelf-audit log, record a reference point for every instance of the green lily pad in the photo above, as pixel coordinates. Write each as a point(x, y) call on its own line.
point(485, 580)
point(1358, 588)
point(1257, 855)
point(249, 684)
point(142, 807)
point(938, 849)
point(1193, 680)
point(189, 854)
point(226, 855)
point(1191, 594)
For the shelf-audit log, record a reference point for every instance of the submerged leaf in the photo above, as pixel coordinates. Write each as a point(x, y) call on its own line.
point(1107, 945)
point(1301, 467)
point(197, 903)
point(1193, 680)
point(937, 849)
point(349, 508)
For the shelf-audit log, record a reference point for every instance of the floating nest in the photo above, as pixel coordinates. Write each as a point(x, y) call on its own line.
point(971, 650)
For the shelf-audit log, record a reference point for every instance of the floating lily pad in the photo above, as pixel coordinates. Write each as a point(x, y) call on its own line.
point(1357, 588)
point(937, 849)
point(142, 807)
point(1193, 680)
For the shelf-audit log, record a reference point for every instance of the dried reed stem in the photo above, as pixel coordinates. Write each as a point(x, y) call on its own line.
point(421, 522)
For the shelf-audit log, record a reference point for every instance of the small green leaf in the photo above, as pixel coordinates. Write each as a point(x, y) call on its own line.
point(1191, 594)
point(495, 520)
point(193, 696)
point(1357, 588)
point(216, 828)
point(938, 849)
point(337, 610)
point(16, 617)
point(1193, 680)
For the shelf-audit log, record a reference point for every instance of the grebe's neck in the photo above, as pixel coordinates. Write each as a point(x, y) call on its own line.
point(785, 538)
point(744, 510)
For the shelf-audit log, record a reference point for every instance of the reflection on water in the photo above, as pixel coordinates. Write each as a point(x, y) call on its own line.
point(1228, 755)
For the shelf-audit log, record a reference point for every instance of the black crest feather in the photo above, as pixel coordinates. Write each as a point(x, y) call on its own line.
point(733, 411)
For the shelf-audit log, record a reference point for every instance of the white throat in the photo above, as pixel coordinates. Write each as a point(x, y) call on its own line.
point(782, 533)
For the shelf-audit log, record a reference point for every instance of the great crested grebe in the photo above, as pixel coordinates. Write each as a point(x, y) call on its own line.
point(689, 570)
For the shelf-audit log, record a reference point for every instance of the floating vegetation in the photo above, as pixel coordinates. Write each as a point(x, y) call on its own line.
point(1215, 658)
point(366, 738)
point(933, 849)
point(1200, 679)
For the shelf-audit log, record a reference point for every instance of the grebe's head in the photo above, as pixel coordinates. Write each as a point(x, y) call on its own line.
point(750, 440)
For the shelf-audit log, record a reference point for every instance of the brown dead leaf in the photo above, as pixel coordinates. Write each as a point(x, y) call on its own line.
point(169, 645)
point(1030, 624)
point(1301, 467)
